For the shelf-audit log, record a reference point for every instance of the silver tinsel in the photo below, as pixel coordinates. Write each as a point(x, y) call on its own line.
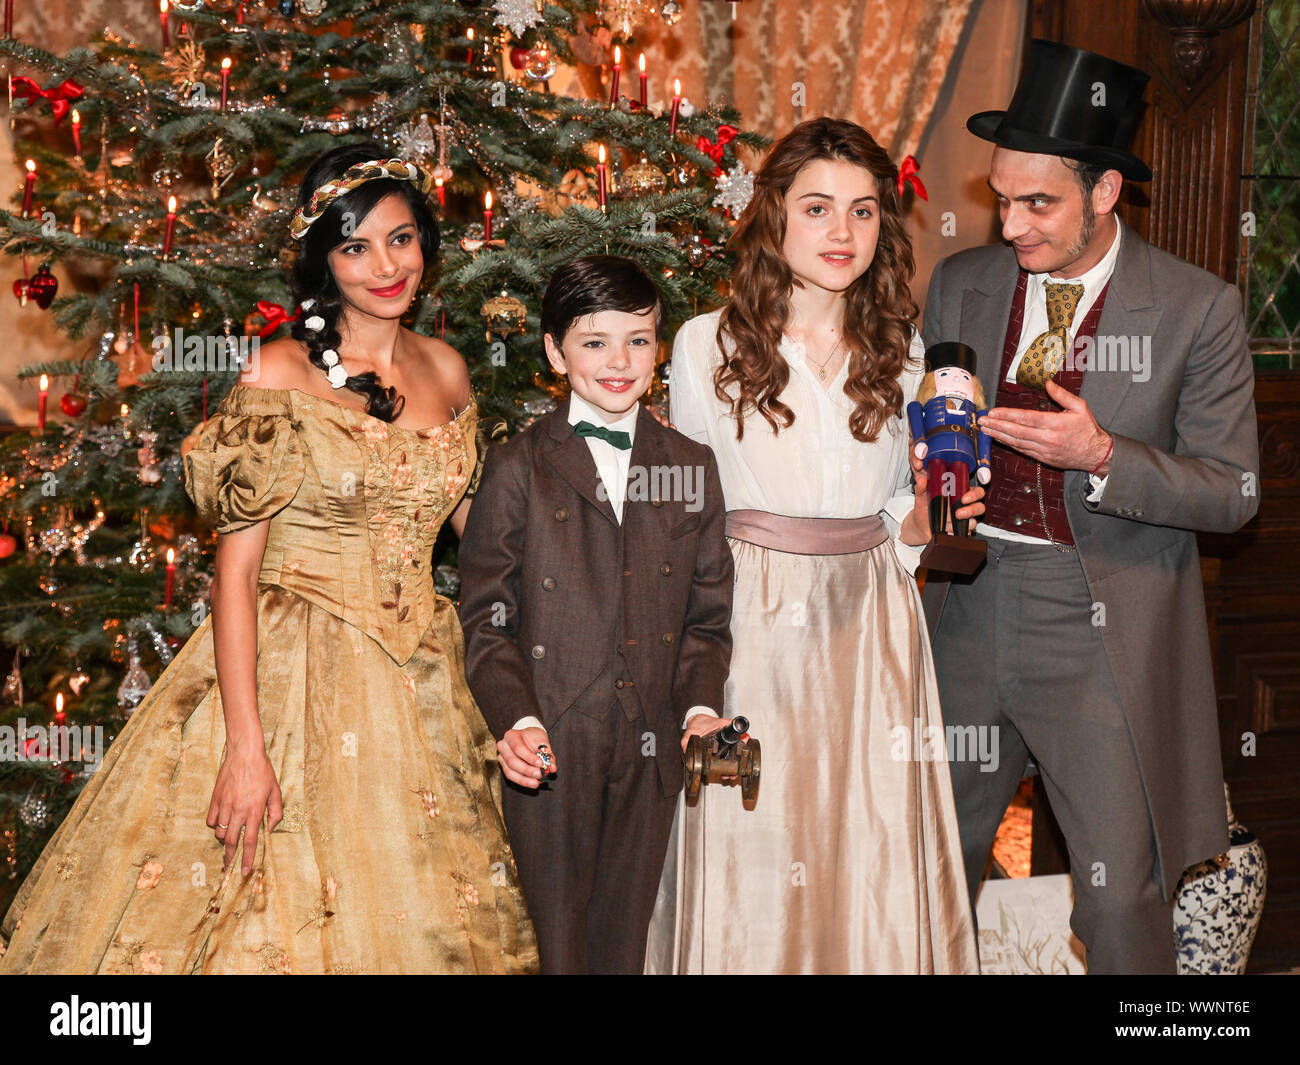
point(539, 407)
point(159, 643)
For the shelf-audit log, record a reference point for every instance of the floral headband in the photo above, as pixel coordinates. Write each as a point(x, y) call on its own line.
point(372, 169)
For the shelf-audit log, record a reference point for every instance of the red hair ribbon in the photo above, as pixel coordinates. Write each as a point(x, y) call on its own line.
point(726, 134)
point(910, 172)
point(58, 96)
point(275, 316)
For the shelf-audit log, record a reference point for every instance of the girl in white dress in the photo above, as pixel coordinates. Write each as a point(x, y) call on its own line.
point(850, 861)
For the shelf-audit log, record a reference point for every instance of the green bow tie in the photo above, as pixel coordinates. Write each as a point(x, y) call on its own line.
point(617, 437)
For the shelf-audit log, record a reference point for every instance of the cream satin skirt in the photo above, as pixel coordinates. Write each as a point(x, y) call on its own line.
point(851, 861)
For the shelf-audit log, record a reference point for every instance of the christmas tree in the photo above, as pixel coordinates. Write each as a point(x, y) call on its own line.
point(161, 177)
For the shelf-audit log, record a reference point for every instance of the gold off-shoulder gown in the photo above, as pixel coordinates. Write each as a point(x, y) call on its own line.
point(392, 855)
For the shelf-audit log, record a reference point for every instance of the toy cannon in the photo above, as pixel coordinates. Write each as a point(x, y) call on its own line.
point(728, 755)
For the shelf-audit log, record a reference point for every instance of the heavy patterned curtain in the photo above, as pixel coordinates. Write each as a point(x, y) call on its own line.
point(880, 63)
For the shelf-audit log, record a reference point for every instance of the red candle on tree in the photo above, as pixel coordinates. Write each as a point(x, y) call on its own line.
point(618, 71)
point(442, 192)
point(171, 225)
point(31, 184)
point(162, 18)
point(641, 64)
point(76, 131)
point(40, 403)
point(469, 56)
point(59, 714)
point(601, 188)
point(239, 15)
point(677, 106)
point(171, 577)
point(487, 216)
point(9, 18)
point(225, 81)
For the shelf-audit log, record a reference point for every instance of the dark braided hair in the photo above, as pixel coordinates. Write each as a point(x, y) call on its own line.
point(313, 280)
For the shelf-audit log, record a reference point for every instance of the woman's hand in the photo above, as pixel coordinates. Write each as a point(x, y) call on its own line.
point(246, 789)
point(915, 529)
point(662, 419)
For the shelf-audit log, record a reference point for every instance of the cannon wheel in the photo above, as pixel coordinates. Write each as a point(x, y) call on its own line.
point(751, 766)
point(693, 765)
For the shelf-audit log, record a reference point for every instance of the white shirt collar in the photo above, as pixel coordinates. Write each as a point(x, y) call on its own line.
point(582, 411)
point(1092, 280)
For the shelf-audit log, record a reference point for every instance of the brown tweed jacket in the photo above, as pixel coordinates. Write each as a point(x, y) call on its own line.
point(565, 609)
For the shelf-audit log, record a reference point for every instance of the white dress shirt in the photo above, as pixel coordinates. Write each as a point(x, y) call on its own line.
point(612, 464)
point(1035, 324)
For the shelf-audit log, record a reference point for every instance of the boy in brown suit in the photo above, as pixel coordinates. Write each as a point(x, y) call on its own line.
point(596, 603)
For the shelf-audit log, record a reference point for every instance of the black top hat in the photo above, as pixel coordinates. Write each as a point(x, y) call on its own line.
point(950, 353)
point(1072, 103)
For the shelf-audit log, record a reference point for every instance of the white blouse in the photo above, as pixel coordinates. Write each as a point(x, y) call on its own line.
point(813, 469)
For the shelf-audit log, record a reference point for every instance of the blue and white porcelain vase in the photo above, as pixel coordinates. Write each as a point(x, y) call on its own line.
point(1218, 906)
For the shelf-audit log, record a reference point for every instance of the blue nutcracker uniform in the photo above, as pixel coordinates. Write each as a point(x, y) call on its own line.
point(949, 426)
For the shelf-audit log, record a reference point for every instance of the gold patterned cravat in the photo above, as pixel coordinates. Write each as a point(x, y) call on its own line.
point(1045, 357)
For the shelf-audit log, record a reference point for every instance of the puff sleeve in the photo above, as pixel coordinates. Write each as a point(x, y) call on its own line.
point(247, 464)
point(488, 431)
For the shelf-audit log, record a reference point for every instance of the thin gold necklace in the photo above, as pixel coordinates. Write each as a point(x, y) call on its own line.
point(821, 366)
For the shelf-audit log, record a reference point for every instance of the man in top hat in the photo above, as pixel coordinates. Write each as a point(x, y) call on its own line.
point(1124, 422)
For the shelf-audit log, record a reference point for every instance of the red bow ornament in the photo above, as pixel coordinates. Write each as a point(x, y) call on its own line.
point(910, 172)
point(59, 96)
point(726, 134)
point(275, 316)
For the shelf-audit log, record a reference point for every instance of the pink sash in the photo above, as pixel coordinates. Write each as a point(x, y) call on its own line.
point(806, 536)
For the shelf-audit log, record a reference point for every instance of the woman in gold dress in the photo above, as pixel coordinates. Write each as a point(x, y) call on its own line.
point(354, 824)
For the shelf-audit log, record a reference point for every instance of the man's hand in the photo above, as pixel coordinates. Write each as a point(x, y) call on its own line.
point(520, 761)
point(1069, 439)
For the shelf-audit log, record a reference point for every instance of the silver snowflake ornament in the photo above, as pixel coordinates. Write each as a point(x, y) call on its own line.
point(517, 15)
point(735, 190)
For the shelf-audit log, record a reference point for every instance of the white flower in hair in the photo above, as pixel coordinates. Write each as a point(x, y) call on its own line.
point(338, 376)
point(330, 357)
point(315, 323)
point(308, 304)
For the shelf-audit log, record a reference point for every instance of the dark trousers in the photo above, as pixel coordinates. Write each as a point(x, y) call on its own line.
point(590, 844)
point(1019, 650)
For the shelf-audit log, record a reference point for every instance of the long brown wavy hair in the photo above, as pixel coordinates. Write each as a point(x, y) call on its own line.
point(879, 309)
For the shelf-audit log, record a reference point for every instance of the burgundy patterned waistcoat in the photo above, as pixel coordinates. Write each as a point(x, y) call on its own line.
point(1012, 497)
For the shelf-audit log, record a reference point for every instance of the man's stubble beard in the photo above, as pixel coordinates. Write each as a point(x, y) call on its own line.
point(1086, 232)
